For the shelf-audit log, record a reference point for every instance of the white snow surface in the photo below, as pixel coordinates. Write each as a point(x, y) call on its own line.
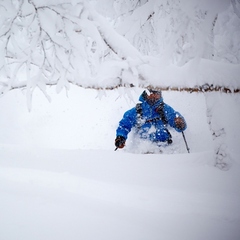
point(60, 177)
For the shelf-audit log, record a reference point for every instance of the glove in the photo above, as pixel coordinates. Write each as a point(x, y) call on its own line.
point(179, 123)
point(120, 142)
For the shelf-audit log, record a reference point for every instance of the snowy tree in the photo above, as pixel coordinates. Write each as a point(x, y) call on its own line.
point(178, 30)
point(137, 43)
point(58, 42)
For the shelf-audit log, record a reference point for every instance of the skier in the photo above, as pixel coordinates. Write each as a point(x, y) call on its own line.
point(150, 119)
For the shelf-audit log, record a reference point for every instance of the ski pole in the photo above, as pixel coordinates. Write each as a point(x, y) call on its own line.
point(116, 149)
point(188, 149)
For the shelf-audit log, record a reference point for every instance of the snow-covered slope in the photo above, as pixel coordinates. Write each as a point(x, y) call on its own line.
point(99, 194)
point(87, 119)
point(60, 177)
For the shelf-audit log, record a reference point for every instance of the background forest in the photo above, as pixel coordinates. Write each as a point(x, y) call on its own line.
point(119, 43)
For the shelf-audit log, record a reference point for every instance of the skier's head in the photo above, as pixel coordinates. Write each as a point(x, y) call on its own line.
point(152, 96)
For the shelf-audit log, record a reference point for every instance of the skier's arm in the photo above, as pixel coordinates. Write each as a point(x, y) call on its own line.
point(175, 119)
point(127, 122)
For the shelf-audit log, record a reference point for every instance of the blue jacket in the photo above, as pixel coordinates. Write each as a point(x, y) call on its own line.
point(149, 126)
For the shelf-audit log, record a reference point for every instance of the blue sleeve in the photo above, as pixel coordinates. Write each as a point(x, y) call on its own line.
point(127, 122)
point(171, 114)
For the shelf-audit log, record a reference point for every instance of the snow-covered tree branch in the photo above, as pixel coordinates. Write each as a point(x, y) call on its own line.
point(52, 42)
point(137, 43)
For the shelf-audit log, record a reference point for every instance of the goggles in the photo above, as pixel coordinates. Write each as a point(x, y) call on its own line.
point(150, 91)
